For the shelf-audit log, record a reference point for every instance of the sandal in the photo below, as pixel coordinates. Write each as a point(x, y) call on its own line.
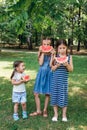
point(36, 114)
point(45, 114)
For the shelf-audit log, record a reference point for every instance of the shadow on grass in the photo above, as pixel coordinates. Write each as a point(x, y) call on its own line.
point(30, 59)
point(80, 64)
point(76, 111)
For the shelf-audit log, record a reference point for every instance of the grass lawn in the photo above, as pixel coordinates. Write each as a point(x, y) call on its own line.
point(77, 109)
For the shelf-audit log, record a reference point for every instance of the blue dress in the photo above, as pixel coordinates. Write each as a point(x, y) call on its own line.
point(59, 86)
point(42, 83)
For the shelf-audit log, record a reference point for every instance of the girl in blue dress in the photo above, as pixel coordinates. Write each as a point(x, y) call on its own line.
point(42, 83)
point(59, 82)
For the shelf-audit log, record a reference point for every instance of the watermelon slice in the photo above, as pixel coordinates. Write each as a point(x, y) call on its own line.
point(26, 77)
point(61, 59)
point(46, 48)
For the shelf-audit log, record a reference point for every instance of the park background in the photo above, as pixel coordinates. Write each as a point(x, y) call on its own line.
point(23, 23)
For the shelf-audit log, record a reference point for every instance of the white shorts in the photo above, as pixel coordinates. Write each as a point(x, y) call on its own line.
point(19, 97)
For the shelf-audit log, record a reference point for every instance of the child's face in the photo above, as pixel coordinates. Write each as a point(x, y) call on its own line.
point(62, 49)
point(46, 42)
point(21, 68)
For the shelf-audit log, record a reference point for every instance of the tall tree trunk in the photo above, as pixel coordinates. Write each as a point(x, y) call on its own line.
point(70, 45)
point(70, 40)
point(79, 40)
point(36, 38)
point(85, 33)
point(72, 32)
point(52, 42)
point(29, 43)
point(1, 41)
point(21, 42)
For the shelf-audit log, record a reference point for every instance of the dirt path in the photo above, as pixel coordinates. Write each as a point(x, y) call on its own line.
point(81, 52)
point(13, 50)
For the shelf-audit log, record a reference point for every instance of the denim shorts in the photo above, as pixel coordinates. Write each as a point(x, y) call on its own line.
point(19, 97)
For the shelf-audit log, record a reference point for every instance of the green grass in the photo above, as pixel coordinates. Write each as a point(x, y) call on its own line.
point(77, 109)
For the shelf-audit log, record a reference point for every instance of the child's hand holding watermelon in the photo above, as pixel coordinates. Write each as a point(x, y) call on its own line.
point(61, 60)
point(26, 78)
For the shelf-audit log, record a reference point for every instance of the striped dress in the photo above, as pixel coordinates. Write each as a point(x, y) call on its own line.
point(59, 86)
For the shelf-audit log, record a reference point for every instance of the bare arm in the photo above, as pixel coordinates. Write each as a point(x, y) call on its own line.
point(51, 60)
point(14, 82)
point(69, 66)
point(41, 59)
point(39, 52)
point(52, 57)
point(53, 67)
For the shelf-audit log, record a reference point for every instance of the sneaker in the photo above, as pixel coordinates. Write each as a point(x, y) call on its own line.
point(64, 119)
point(15, 117)
point(54, 119)
point(24, 115)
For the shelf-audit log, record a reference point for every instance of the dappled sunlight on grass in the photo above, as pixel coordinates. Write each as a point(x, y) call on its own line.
point(5, 64)
point(71, 128)
point(85, 81)
point(74, 90)
point(32, 73)
point(80, 128)
point(83, 127)
point(6, 70)
point(77, 96)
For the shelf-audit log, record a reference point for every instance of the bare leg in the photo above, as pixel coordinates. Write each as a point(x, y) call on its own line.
point(16, 108)
point(55, 108)
point(37, 100)
point(23, 106)
point(45, 114)
point(15, 115)
point(24, 113)
point(55, 117)
point(46, 102)
point(64, 110)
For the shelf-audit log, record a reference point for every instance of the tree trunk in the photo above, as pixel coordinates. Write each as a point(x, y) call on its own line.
point(70, 45)
point(78, 47)
point(1, 41)
point(52, 42)
point(36, 38)
point(21, 43)
point(29, 43)
point(85, 33)
point(85, 44)
point(79, 40)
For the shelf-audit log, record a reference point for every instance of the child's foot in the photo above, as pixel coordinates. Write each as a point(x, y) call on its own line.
point(15, 117)
point(36, 114)
point(64, 119)
point(45, 114)
point(24, 115)
point(54, 119)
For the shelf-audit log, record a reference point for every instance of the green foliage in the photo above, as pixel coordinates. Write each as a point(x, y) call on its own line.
point(59, 19)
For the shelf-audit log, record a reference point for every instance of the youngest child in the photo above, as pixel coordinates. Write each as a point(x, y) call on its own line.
point(19, 91)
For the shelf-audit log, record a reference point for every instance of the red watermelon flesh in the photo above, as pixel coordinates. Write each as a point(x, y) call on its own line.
point(46, 48)
point(61, 59)
point(26, 77)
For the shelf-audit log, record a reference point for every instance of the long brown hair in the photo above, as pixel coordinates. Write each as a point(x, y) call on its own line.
point(59, 42)
point(15, 64)
point(45, 38)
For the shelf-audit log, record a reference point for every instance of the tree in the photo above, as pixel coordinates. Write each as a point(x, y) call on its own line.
point(33, 19)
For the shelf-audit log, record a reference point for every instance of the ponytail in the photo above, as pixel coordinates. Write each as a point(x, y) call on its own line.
point(12, 74)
